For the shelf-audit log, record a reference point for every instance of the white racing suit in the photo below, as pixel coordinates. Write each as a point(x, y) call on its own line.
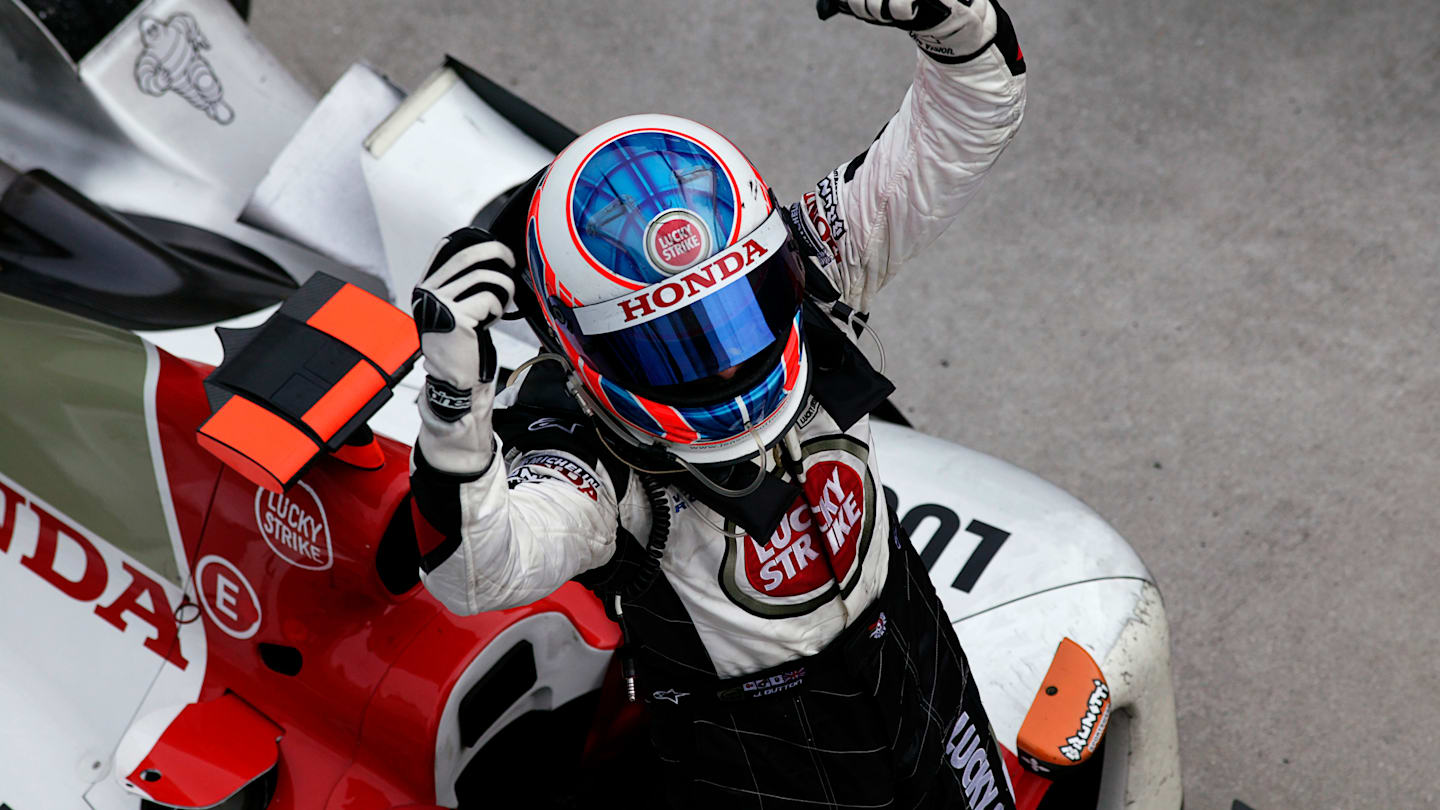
point(814, 667)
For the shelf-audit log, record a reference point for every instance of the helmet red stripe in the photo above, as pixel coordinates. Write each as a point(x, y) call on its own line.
point(792, 359)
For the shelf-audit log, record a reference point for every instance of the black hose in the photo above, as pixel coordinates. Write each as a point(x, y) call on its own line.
point(649, 568)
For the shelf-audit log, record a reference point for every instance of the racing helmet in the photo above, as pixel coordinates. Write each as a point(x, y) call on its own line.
point(666, 275)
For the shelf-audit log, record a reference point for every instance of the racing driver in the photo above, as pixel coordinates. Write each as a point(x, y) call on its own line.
point(693, 444)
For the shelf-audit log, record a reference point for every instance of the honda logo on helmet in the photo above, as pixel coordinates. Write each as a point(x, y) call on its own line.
point(683, 289)
point(691, 285)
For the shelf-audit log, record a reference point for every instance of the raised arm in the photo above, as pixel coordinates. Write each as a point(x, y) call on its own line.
point(963, 107)
point(490, 539)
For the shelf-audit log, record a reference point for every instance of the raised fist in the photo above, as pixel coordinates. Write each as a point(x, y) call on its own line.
point(947, 30)
point(465, 289)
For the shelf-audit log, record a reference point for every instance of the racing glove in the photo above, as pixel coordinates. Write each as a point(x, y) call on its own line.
point(949, 31)
point(468, 284)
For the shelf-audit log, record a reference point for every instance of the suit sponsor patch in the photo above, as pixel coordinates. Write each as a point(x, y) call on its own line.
point(819, 227)
point(969, 755)
point(815, 551)
point(568, 469)
point(766, 686)
point(828, 190)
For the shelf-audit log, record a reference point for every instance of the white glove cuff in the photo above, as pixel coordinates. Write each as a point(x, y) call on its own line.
point(963, 35)
point(465, 446)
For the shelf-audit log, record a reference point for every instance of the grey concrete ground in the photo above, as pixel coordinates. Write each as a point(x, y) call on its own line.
point(1200, 292)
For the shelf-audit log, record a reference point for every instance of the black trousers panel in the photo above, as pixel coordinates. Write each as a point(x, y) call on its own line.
point(886, 716)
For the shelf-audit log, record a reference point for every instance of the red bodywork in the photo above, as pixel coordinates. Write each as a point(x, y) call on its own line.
point(361, 716)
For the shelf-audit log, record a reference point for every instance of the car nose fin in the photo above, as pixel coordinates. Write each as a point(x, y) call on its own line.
point(199, 754)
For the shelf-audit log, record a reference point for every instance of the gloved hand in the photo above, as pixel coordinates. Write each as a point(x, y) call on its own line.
point(948, 30)
point(466, 289)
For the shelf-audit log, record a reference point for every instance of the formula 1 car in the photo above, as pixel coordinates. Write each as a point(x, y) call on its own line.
point(175, 635)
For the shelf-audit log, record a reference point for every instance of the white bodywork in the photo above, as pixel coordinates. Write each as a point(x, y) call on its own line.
point(362, 186)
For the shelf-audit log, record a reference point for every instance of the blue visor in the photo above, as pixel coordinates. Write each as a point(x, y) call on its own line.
point(707, 336)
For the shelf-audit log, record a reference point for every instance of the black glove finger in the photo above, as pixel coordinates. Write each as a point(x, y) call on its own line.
point(484, 259)
point(489, 360)
point(454, 243)
point(484, 283)
point(927, 13)
point(429, 313)
point(930, 13)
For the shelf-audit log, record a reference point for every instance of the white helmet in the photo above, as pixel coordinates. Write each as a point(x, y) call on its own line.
point(667, 276)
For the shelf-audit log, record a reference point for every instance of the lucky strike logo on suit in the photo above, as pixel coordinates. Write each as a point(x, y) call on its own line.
point(812, 545)
point(821, 542)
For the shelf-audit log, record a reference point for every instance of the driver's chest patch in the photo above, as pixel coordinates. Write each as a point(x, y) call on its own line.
point(817, 550)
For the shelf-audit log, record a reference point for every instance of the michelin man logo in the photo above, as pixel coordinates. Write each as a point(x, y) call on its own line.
point(172, 61)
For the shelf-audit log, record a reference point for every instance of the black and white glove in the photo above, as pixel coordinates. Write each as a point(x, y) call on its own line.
point(469, 283)
point(949, 31)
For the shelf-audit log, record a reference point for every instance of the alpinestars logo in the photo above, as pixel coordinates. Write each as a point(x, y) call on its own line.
point(971, 757)
point(669, 694)
point(550, 422)
point(1092, 725)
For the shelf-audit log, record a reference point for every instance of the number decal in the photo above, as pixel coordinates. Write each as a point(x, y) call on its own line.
point(991, 539)
point(948, 523)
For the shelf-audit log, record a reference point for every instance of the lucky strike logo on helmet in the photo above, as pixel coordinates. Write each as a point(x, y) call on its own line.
point(675, 240)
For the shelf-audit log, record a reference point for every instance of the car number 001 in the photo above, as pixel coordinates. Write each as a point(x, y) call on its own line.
point(991, 538)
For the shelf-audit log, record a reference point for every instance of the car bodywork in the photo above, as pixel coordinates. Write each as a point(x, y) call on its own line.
point(150, 595)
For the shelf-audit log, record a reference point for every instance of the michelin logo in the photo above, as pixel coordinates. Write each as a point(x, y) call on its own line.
point(172, 61)
point(971, 759)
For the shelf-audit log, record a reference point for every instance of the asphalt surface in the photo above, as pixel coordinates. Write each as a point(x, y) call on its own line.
point(1199, 291)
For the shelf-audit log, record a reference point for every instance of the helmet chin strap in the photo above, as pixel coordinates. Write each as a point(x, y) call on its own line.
point(594, 411)
point(726, 491)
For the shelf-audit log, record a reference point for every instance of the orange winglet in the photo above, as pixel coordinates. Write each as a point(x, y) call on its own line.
point(257, 443)
point(1067, 719)
point(371, 326)
point(307, 380)
point(336, 407)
